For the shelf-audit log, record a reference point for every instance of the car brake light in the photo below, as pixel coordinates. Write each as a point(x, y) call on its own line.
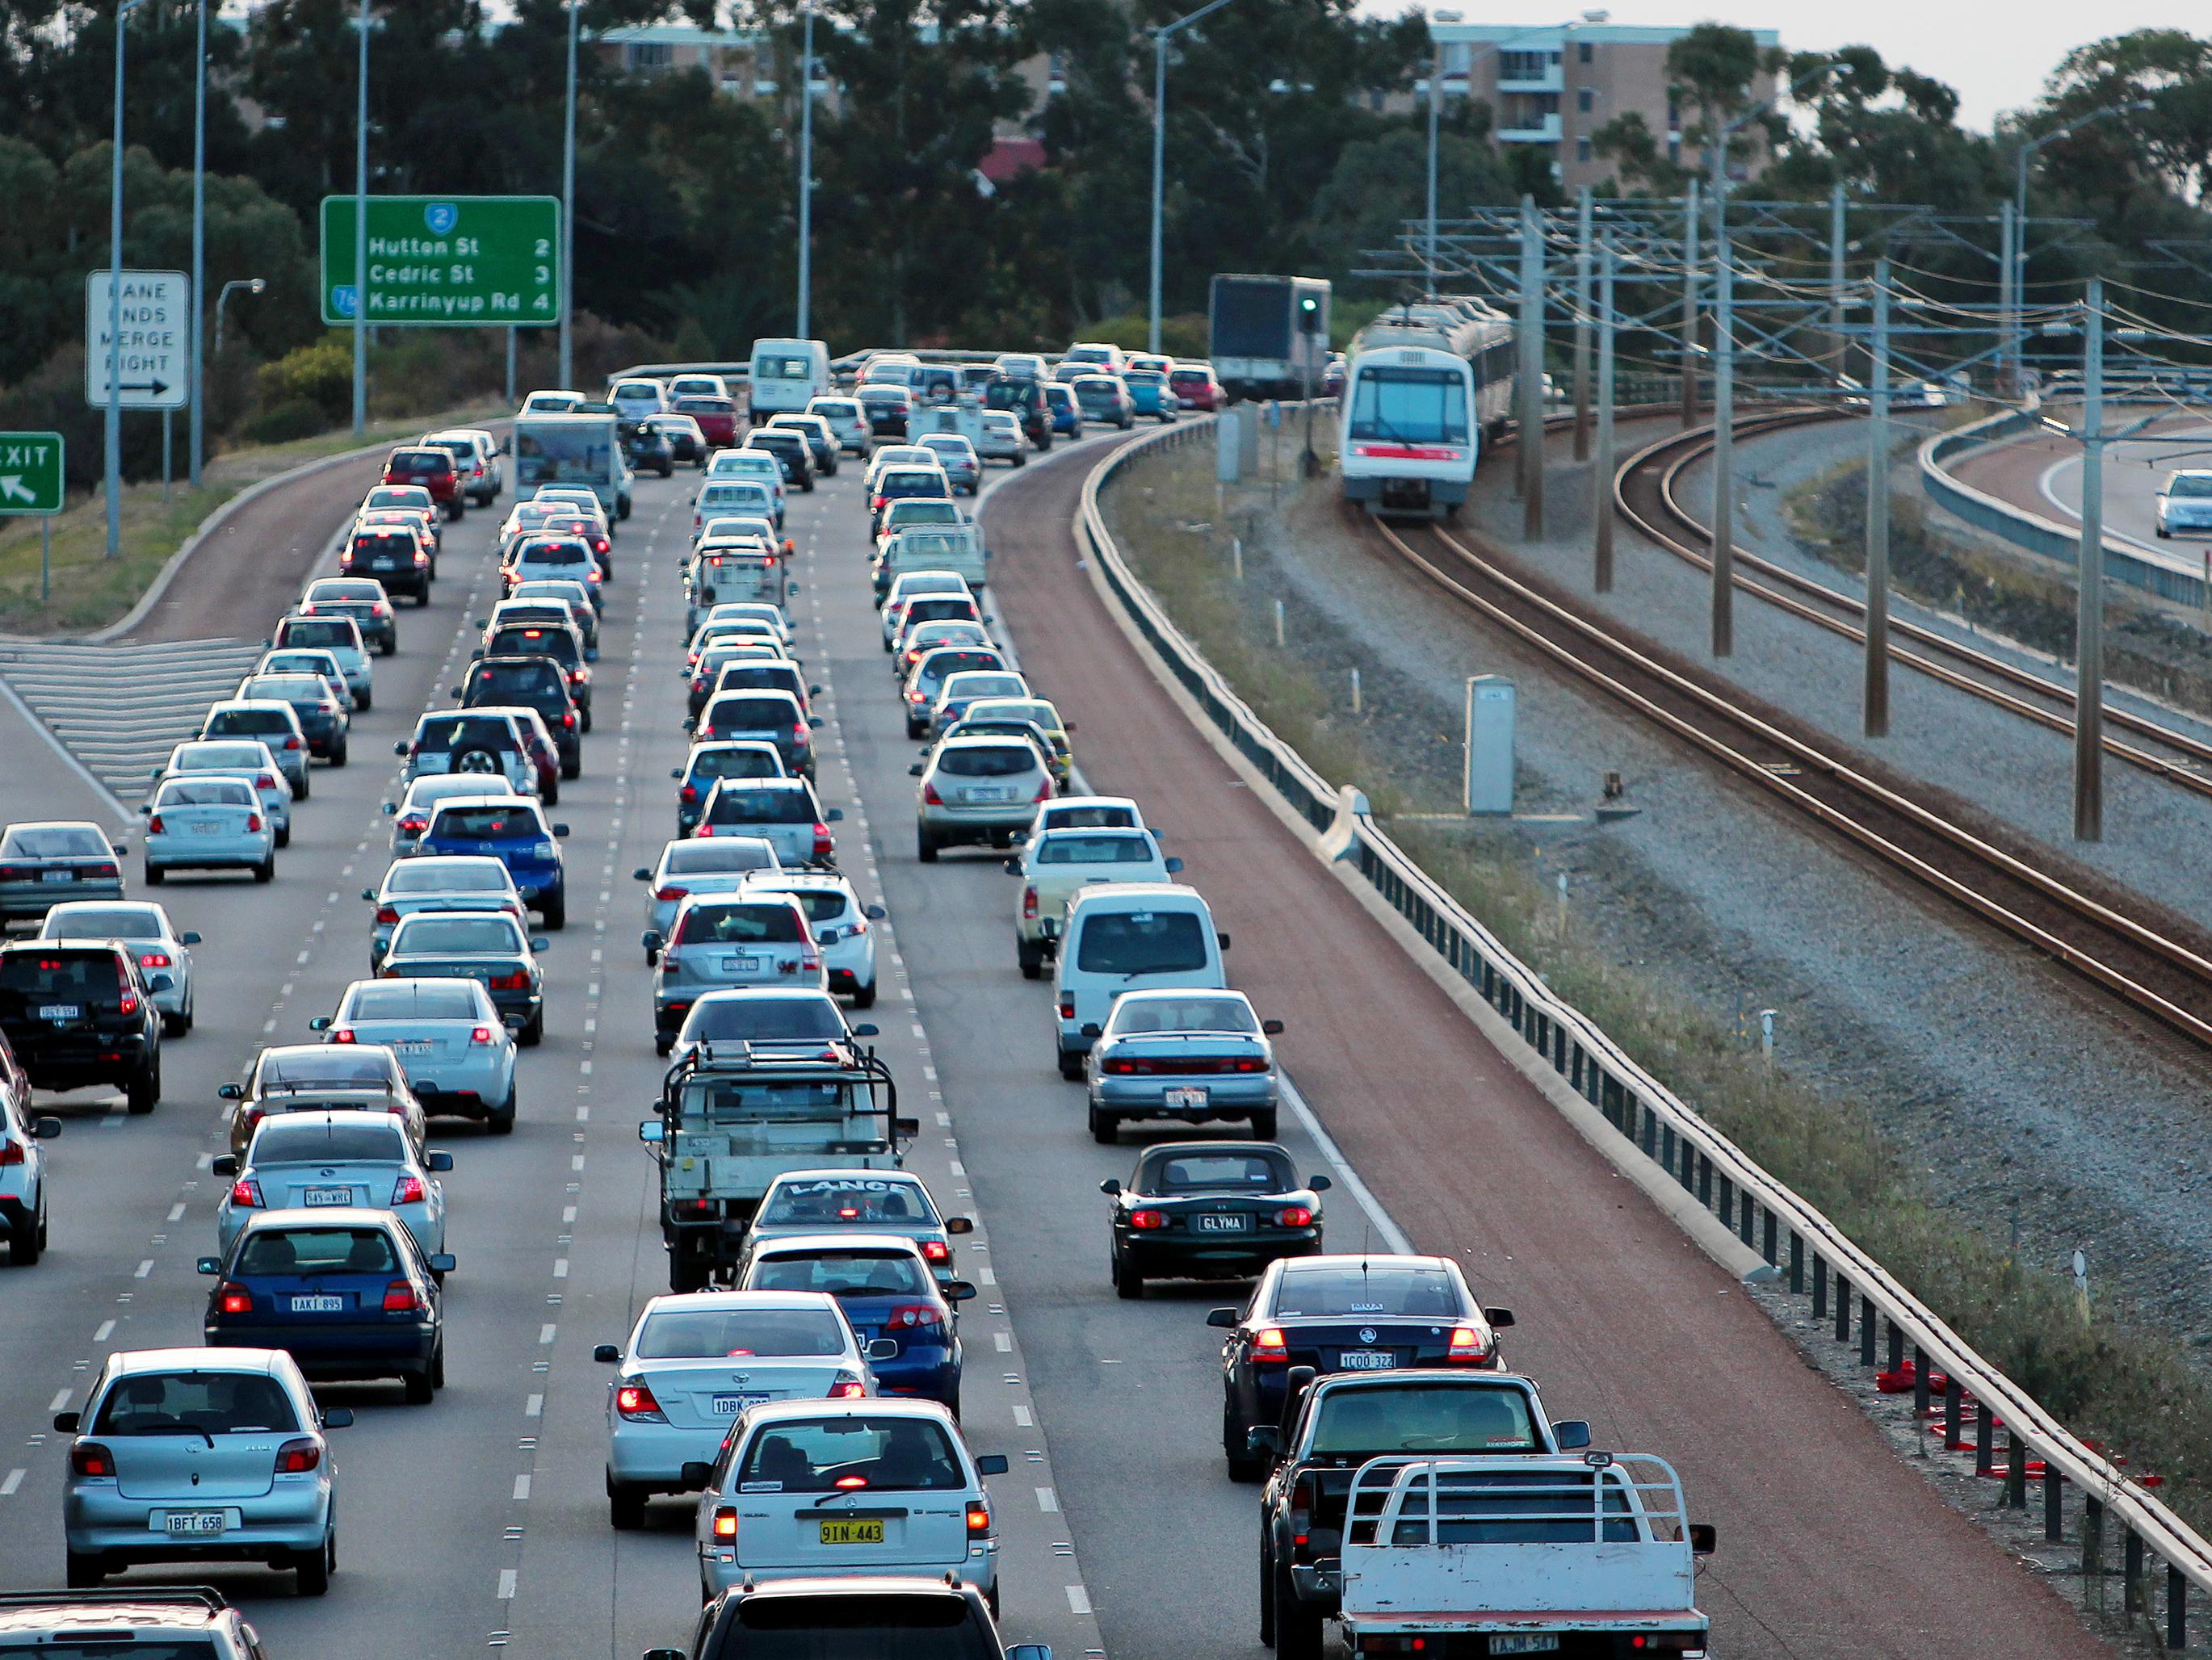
point(848, 1388)
point(342, 1034)
point(391, 913)
point(568, 717)
point(235, 1300)
point(90, 1458)
point(930, 797)
point(155, 959)
point(479, 1034)
point(422, 558)
point(400, 1297)
point(936, 1250)
point(1044, 789)
point(408, 1190)
point(1146, 1220)
point(107, 869)
point(1068, 1006)
point(518, 981)
point(725, 1521)
point(414, 824)
point(979, 1518)
point(1466, 1345)
point(253, 824)
point(915, 1314)
point(1302, 1498)
point(263, 781)
point(1295, 1216)
point(1271, 1345)
point(690, 792)
point(127, 1003)
point(635, 1401)
point(822, 843)
point(154, 826)
point(11, 1152)
point(245, 1194)
point(299, 1456)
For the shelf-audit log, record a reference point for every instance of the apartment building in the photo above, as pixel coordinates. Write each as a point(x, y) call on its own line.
point(1552, 87)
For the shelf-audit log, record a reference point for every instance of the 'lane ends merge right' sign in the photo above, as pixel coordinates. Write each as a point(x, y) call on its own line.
point(31, 473)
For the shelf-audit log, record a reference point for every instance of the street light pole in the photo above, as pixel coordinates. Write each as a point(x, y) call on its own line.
point(1159, 153)
point(806, 169)
point(1435, 98)
point(2021, 157)
point(361, 232)
point(1874, 696)
point(2090, 623)
point(112, 425)
point(569, 211)
point(199, 240)
point(254, 284)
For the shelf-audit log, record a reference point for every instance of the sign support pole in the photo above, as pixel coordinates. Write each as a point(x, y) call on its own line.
point(360, 235)
point(113, 424)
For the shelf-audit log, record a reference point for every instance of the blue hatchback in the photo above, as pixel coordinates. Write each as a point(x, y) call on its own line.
point(345, 1290)
point(513, 830)
point(899, 1309)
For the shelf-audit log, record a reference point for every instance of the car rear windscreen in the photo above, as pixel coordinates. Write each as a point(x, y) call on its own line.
point(762, 807)
point(890, 1627)
point(421, 1000)
point(894, 1453)
point(465, 935)
point(763, 1020)
point(438, 877)
point(749, 714)
point(720, 855)
point(1141, 942)
point(734, 764)
point(704, 1334)
point(296, 1141)
point(1438, 1420)
point(1219, 1172)
point(737, 923)
point(282, 1251)
point(53, 841)
point(1355, 1289)
point(167, 1404)
point(60, 976)
point(516, 823)
point(993, 763)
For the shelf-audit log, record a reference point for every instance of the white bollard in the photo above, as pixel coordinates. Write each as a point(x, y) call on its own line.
point(1279, 622)
point(1355, 692)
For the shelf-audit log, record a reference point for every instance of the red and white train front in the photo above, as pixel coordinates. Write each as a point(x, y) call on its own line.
point(1410, 432)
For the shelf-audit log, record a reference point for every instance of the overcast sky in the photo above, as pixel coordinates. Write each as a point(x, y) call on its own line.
point(1997, 56)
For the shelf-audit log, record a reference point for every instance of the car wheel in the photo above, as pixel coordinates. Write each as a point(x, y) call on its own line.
point(1020, 460)
point(155, 875)
point(1029, 953)
point(191, 1019)
point(584, 718)
point(534, 1033)
point(1242, 1466)
point(1263, 1125)
point(1266, 1591)
point(391, 646)
point(418, 1386)
point(1129, 1284)
point(925, 848)
point(573, 767)
point(365, 702)
point(172, 1026)
point(306, 788)
point(625, 1505)
point(863, 996)
point(1297, 1626)
point(284, 836)
point(422, 597)
point(338, 754)
point(555, 911)
point(1105, 1128)
point(266, 870)
point(1070, 1066)
point(549, 791)
point(662, 1042)
point(438, 1367)
point(85, 1569)
point(26, 1240)
point(143, 1093)
point(312, 1573)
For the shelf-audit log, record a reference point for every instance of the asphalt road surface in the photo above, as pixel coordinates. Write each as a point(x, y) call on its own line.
point(481, 1521)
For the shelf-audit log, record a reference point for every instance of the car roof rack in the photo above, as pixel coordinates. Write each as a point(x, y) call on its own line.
point(205, 1596)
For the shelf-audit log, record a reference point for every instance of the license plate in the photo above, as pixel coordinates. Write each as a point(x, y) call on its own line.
point(1367, 1359)
point(325, 1196)
point(207, 829)
point(729, 1406)
point(1535, 1642)
point(1220, 1222)
point(57, 876)
point(739, 965)
point(321, 1304)
point(60, 1011)
point(1182, 1099)
point(861, 1530)
point(193, 1521)
point(413, 1046)
point(990, 795)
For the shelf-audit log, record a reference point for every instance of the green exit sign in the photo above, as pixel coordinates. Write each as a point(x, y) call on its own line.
point(30, 472)
point(462, 261)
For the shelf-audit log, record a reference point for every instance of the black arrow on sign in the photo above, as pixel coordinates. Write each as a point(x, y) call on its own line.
point(156, 387)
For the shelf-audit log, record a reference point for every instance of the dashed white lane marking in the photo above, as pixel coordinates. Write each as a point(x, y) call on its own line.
point(1022, 1419)
point(534, 1407)
point(14, 1480)
point(177, 1211)
point(521, 1489)
point(985, 1275)
point(545, 1333)
point(107, 1331)
point(143, 1268)
point(1078, 1600)
point(60, 1402)
point(1003, 1342)
point(560, 1268)
point(1047, 1501)
point(507, 1576)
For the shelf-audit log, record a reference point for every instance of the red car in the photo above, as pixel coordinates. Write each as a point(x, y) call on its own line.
point(1195, 386)
point(432, 469)
point(717, 418)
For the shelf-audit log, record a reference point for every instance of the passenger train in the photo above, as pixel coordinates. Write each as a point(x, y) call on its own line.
point(1427, 382)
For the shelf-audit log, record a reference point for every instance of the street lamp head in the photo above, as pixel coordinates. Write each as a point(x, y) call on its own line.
point(1599, 15)
point(256, 286)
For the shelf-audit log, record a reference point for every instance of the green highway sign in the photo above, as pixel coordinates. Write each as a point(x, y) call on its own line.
point(465, 261)
point(30, 472)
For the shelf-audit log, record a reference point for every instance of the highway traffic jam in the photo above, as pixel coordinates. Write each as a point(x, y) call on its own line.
point(795, 1407)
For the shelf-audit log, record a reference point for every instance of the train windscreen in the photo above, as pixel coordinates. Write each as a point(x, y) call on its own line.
point(1409, 406)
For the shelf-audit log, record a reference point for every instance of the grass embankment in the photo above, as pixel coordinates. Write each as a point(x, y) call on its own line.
point(90, 590)
point(2117, 1377)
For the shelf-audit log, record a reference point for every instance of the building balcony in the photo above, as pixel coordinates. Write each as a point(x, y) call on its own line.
point(1546, 131)
point(1552, 80)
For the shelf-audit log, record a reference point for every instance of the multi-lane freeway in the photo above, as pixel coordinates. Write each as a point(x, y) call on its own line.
point(481, 1520)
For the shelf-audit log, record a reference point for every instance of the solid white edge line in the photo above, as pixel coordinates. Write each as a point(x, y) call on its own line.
point(124, 814)
point(1391, 1235)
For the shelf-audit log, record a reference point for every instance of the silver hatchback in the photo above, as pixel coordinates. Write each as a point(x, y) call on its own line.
point(978, 789)
point(199, 1454)
point(721, 943)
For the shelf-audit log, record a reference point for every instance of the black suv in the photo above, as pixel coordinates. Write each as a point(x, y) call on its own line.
point(535, 682)
point(915, 1619)
point(559, 642)
point(788, 447)
point(80, 1012)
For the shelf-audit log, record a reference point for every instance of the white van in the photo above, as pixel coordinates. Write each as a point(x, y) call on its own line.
point(788, 374)
point(1129, 936)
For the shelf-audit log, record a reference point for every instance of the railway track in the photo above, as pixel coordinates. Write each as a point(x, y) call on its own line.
point(1644, 492)
point(2138, 959)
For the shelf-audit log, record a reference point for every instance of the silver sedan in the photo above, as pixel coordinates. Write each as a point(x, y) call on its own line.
point(456, 1048)
point(242, 758)
point(308, 1161)
point(714, 865)
point(145, 928)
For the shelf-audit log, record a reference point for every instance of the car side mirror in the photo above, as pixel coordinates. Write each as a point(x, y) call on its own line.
point(440, 1264)
point(1705, 1539)
point(439, 1161)
point(866, 1029)
point(794, 588)
point(916, 770)
point(1264, 1441)
point(320, 1023)
point(1224, 1319)
point(875, 912)
point(1172, 866)
point(210, 1264)
point(650, 940)
point(539, 943)
point(1499, 1319)
point(1029, 1652)
point(1572, 1433)
point(338, 1417)
point(675, 771)
point(223, 1164)
point(1093, 1029)
point(391, 808)
point(690, 724)
point(453, 691)
point(159, 983)
point(956, 1291)
point(696, 1474)
point(65, 1423)
point(1319, 1184)
point(908, 1127)
point(606, 1354)
point(959, 1225)
point(188, 937)
point(665, 1654)
point(45, 1129)
point(481, 623)
point(513, 1022)
point(814, 721)
point(1111, 1187)
point(814, 692)
point(369, 894)
point(400, 748)
point(835, 815)
point(1271, 1028)
point(650, 1132)
point(884, 1348)
point(641, 875)
point(232, 1092)
point(991, 1464)
point(145, 808)
point(1223, 939)
point(559, 832)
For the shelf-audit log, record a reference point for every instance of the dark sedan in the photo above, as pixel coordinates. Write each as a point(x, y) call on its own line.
point(1210, 1210)
point(486, 946)
point(347, 1293)
point(1369, 1313)
point(43, 864)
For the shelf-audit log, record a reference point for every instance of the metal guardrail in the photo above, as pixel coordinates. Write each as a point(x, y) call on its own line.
point(2124, 561)
point(1800, 1246)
